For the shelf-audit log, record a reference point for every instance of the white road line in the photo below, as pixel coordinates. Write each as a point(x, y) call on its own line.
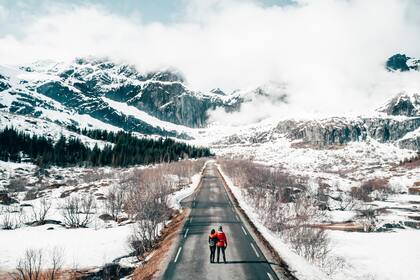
point(237, 217)
point(269, 276)
point(255, 250)
point(186, 232)
point(244, 230)
point(177, 254)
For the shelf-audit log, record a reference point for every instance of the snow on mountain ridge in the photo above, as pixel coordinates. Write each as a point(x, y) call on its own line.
point(78, 88)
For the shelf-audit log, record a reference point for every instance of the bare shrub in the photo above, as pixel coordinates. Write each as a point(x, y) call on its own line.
point(78, 210)
point(114, 201)
point(29, 267)
point(147, 205)
point(40, 213)
point(369, 217)
point(146, 199)
point(8, 221)
point(311, 243)
point(31, 194)
point(379, 186)
point(346, 202)
point(56, 264)
point(183, 169)
point(17, 185)
point(284, 204)
point(11, 218)
point(95, 174)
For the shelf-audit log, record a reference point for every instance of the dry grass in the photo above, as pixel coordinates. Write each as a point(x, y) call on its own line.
point(414, 190)
point(410, 163)
point(61, 275)
point(341, 226)
point(169, 234)
point(274, 254)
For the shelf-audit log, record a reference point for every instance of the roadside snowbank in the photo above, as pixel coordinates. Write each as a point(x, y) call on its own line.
point(372, 256)
point(175, 199)
point(301, 268)
point(100, 243)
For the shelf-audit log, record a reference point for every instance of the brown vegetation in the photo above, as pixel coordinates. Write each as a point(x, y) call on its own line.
point(148, 269)
point(30, 266)
point(341, 226)
point(414, 190)
point(410, 163)
point(378, 185)
point(284, 204)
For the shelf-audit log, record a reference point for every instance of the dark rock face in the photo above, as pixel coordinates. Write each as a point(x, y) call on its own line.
point(386, 130)
point(403, 105)
point(325, 132)
point(80, 87)
point(4, 84)
point(108, 271)
point(412, 143)
point(161, 94)
point(398, 62)
point(338, 131)
point(401, 62)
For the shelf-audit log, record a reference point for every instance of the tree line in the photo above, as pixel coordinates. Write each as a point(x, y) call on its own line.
point(127, 150)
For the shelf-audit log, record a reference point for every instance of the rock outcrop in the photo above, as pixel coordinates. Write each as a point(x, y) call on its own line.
point(47, 89)
point(401, 62)
point(338, 131)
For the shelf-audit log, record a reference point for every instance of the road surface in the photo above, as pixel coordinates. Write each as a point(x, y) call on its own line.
point(211, 207)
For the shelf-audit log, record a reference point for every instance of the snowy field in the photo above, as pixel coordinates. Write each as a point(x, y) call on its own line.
point(101, 242)
point(81, 248)
point(387, 255)
point(378, 255)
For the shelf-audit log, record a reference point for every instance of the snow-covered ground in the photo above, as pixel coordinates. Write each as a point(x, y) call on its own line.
point(378, 255)
point(101, 242)
point(81, 248)
point(354, 255)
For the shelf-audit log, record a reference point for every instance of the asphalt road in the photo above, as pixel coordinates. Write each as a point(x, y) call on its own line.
point(210, 208)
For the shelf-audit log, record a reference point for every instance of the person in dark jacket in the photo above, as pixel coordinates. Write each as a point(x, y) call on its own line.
point(221, 243)
point(212, 244)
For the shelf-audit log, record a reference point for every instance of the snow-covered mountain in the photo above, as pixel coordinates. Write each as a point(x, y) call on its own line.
point(102, 94)
point(397, 122)
point(99, 93)
point(401, 62)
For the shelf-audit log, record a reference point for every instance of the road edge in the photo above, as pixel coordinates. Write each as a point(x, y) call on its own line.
point(281, 269)
point(167, 258)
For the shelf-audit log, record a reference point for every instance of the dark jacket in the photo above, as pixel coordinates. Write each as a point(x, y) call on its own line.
point(213, 239)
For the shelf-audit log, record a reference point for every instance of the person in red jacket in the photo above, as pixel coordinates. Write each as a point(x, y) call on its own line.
point(221, 243)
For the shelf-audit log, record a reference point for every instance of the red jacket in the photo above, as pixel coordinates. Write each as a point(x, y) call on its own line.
point(221, 239)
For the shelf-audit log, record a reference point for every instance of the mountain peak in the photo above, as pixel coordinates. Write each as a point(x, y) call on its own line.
point(403, 104)
point(402, 62)
point(217, 91)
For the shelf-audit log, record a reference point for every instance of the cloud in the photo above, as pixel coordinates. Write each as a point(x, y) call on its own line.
point(330, 53)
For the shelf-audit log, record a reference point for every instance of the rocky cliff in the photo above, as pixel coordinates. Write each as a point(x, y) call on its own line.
point(60, 91)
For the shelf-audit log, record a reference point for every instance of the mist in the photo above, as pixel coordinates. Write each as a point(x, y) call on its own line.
point(330, 54)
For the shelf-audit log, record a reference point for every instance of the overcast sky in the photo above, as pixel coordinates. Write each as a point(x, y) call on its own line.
point(329, 53)
point(14, 12)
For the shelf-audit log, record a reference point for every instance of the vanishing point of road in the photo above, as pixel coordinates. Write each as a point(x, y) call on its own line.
point(211, 207)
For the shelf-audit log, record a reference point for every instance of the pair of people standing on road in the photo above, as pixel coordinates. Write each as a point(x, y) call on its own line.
point(217, 241)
